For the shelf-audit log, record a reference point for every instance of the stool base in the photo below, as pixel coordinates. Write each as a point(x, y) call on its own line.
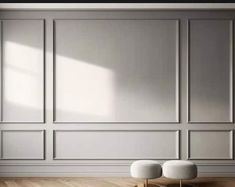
point(177, 185)
point(149, 185)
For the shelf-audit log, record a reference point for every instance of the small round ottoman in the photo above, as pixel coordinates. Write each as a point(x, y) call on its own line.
point(179, 169)
point(146, 169)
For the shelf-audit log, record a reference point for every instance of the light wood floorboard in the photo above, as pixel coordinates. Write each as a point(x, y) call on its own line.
point(108, 182)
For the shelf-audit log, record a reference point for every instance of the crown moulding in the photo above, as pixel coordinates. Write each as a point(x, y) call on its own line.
point(117, 6)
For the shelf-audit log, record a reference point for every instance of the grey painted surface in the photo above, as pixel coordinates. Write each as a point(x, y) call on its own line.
point(122, 70)
point(22, 144)
point(91, 144)
point(72, 136)
point(22, 71)
point(210, 144)
point(210, 70)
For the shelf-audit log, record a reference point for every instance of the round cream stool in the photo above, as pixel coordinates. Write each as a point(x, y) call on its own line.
point(179, 169)
point(146, 169)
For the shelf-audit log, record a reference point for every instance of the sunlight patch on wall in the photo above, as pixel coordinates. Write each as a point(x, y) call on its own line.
point(83, 89)
point(22, 73)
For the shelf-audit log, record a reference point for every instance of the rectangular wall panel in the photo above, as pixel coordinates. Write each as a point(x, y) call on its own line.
point(116, 144)
point(210, 71)
point(22, 71)
point(205, 144)
point(0, 70)
point(22, 144)
point(116, 70)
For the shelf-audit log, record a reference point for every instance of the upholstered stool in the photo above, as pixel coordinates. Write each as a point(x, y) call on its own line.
point(179, 169)
point(146, 169)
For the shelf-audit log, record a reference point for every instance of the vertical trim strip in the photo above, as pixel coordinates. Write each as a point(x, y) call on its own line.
point(188, 145)
point(54, 71)
point(231, 72)
point(1, 156)
point(1, 69)
point(54, 144)
point(178, 71)
point(232, 144)
point(178, 133)
point(188, 71)
point(44, 144)
point(44, 71)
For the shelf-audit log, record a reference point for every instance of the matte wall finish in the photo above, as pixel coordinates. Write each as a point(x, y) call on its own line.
point(88, 92)
point(22, 71)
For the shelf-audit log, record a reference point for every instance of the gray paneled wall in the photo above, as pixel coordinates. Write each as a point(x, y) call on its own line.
point(88, 92)
point(210, 144)
point(22, 144)
point(118, 79)
point(210, 73)
point(22, 71)
point(92, 144)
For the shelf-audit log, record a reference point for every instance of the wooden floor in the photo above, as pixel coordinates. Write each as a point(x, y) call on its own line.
point(109, 182)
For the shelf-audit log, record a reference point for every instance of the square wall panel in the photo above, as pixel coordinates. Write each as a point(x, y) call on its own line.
point(116, 71)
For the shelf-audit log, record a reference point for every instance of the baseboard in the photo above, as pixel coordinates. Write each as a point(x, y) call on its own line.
point(106, 170)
